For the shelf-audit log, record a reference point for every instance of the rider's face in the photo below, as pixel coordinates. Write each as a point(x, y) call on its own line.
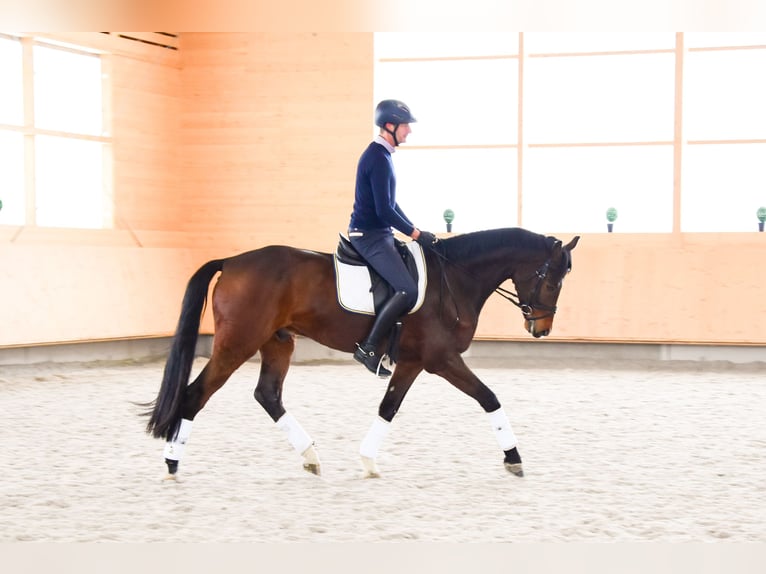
point(402, 132)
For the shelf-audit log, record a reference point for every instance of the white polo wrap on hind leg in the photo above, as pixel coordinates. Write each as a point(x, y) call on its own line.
point(297, 437)
point(174, 449)
point(502, 427)
point(374, 438)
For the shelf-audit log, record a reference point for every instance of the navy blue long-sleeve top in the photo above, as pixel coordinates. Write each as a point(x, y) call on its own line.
point(375, 204)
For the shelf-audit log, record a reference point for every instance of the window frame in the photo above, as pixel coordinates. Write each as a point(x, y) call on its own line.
point(30, 132)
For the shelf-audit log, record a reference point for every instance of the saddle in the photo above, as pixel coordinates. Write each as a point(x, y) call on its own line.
point(381, 290)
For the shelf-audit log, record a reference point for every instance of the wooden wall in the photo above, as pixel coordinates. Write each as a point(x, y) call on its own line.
point(242, 140)
point(148, 189)
point(272, 127)
point(234, 142)
point(700, 288)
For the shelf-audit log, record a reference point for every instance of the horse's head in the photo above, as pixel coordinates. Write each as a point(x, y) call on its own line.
point(539, 287)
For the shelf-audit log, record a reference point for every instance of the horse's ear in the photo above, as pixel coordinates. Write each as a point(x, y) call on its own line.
point(571, 245)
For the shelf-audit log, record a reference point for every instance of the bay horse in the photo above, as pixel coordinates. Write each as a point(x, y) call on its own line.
point(265, 297)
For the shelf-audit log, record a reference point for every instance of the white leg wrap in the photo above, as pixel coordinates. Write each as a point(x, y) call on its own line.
point(174, 449)
point(297, 437)
point(502, 427)
point(371, 443)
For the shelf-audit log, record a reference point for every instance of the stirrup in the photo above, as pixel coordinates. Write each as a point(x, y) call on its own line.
point(369, 360)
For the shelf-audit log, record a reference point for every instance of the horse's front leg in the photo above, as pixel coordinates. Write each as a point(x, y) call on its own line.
point(458, 374)
point(401, 381)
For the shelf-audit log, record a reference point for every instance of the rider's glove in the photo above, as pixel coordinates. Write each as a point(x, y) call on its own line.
point(427, 239)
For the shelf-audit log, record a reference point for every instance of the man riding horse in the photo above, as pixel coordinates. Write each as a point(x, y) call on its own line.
point(375, 213)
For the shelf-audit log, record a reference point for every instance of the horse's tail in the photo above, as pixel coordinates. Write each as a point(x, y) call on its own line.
point(165, 414)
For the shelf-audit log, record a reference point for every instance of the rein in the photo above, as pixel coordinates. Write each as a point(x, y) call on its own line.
point(527, 309)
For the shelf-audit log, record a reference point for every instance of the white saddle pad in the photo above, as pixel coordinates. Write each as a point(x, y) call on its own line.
point(354, 283)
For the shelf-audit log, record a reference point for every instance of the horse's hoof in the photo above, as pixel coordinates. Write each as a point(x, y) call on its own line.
point(172, 477)
point(312, 468)
point(370, 468)
point(514, 468)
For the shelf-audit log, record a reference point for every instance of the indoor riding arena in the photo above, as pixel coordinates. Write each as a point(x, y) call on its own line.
point(130, 159)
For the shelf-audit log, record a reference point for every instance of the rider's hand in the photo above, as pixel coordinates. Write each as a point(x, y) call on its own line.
point(427, 239)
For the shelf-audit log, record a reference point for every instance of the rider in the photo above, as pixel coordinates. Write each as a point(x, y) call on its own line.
point(375, 213)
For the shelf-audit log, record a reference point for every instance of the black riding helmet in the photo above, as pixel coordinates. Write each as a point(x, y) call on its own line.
point(393, 112)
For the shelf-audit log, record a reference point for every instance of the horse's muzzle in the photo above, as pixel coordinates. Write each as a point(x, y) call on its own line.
point(531, 327)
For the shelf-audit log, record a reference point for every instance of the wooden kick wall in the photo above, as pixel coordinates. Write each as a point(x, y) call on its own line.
point(235, 141)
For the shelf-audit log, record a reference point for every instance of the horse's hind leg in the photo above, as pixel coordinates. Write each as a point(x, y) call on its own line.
point(212, 377)
point(275, 361)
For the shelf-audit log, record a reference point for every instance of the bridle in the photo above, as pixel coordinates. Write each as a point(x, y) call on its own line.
point(527, 308)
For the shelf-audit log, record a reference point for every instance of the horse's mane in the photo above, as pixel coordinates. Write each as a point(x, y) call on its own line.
point(468, 245)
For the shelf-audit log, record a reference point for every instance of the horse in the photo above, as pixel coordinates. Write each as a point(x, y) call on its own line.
point(266, 297)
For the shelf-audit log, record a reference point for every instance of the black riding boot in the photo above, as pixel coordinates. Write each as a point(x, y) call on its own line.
point(366, 352)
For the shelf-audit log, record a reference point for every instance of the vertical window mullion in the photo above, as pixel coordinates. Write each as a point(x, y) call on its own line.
point(107, 158)
point(678, 133)
point(28, 79)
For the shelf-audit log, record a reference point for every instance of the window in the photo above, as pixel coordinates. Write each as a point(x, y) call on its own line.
point(462, 153)
point(615, 98)
point(12, 95)
point(69, 183)
point(724, 151)
point(724, 95)
point(12, 178)
point(478, 185)
point(624, 102)
point(11, 140)
point(67, 91)
point(456, 102)
point(56, 132)
point(584, 182)
point(598, 125)
point(723, 187)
